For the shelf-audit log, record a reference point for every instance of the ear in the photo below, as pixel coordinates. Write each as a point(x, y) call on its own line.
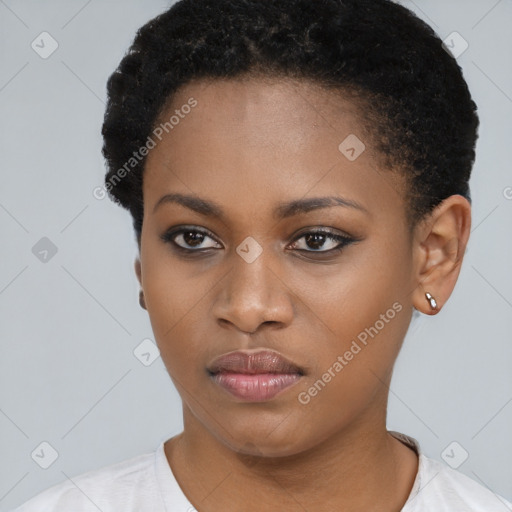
point(439, 245)
point(138, 271)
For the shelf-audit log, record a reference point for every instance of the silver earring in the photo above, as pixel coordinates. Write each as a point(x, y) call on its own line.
point(431, 300)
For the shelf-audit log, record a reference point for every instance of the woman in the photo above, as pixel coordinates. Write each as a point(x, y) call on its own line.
point(297, 174)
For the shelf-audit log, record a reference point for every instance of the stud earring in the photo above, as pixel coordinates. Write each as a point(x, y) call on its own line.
point(431, 300)
point(142, 302)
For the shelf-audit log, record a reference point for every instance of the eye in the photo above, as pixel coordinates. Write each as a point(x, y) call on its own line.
point(315, 241)
point(193, 240)
point(190, 239)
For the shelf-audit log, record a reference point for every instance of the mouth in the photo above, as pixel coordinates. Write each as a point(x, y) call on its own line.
point(254, 376)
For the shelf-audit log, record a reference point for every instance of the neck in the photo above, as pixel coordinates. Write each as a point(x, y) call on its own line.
point(361, 467)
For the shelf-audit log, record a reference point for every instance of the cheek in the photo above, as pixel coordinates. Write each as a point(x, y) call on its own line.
point(172, 286)
point(366, 284)
point(175, 300)
point(352, 371)
point(364, 312)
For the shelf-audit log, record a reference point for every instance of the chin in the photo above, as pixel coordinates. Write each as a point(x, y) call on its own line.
point(255, 440)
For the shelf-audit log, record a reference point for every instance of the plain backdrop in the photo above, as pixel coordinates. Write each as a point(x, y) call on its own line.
point(70, 318)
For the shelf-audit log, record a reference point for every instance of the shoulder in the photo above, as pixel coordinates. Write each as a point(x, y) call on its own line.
point(441, 488)
point(126, 485)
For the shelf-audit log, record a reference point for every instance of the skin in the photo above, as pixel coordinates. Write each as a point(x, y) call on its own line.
point(248, 146)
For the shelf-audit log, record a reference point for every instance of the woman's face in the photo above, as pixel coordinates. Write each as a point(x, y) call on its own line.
point(256, 276)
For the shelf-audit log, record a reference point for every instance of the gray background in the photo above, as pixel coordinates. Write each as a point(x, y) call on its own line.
point(69, 326)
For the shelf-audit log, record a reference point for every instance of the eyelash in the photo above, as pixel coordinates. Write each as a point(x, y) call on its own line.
point(343, 240)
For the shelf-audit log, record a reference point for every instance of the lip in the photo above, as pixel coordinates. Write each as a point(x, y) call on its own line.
point(253, 362)
point(254, 376)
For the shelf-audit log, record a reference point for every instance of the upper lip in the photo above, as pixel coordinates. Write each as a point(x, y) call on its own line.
point(263, 361)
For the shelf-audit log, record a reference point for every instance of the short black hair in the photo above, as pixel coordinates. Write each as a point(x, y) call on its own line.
point(413, 100)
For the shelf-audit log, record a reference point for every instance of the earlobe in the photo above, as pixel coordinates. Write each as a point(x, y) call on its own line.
point(142, 302)
point(440, 244)
point(138, 273)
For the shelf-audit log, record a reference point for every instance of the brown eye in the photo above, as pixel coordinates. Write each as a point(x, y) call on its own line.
point(322, 241)
point(190, 239)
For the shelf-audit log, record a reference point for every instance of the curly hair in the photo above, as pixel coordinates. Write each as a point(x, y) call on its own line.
point(413, 101)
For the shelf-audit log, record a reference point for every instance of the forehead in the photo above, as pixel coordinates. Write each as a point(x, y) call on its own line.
point(257, 110)
point(267, 140)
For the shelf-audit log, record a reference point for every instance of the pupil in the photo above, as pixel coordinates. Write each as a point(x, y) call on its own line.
point(195, 237)
point(317, 237)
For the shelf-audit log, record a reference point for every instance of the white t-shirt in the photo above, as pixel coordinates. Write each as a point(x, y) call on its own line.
point(147, 483)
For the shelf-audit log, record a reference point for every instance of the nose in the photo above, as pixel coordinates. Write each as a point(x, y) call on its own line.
point(253, 294)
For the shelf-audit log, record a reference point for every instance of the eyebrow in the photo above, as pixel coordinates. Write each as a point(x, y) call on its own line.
point(283, 210)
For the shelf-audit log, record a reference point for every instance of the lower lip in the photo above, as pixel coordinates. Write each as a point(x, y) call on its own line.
point(255, 387)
